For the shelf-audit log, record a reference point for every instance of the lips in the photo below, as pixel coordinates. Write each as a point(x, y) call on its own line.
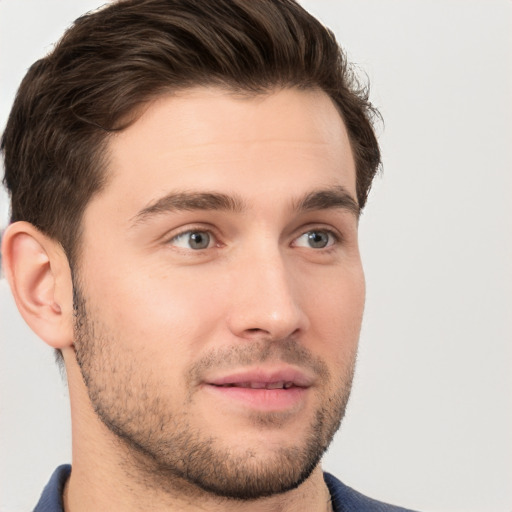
point(282, 389)
point(279, 378)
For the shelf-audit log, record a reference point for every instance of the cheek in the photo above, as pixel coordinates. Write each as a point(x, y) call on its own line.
point(335, 313)
point(153, 310)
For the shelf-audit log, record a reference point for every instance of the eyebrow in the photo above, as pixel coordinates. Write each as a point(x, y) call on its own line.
point(190, 201)
point(330, 198)
point(322, 199)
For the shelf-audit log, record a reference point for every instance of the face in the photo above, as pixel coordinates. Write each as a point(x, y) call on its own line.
point(220, 289)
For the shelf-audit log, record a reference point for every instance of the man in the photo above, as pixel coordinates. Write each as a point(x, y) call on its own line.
point(186, 179)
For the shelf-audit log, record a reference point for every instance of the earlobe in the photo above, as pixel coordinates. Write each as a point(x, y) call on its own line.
point(38, 273)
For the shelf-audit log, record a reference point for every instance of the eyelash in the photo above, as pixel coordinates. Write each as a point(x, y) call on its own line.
point(336, 237)
point(197, 229)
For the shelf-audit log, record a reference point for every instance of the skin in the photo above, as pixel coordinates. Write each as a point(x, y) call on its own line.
point(159, 320)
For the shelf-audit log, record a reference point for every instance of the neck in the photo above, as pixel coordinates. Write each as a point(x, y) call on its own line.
point(84, 493)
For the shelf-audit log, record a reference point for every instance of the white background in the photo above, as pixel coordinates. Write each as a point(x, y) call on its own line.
point(429, 425)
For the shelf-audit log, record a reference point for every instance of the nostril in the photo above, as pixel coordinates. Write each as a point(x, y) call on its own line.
point(256, 333)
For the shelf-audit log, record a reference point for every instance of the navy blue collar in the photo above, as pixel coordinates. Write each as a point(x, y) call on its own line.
point(51, 498)
point(344, 499)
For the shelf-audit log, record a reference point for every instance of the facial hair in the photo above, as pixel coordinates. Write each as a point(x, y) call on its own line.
point(169, 451)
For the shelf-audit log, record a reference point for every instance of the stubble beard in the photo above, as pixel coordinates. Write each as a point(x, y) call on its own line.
point(165, 451)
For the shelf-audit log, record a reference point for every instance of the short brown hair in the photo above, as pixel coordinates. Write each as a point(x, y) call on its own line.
point(113, 60)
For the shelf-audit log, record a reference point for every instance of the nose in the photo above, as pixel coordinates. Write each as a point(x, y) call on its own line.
point(266, 299)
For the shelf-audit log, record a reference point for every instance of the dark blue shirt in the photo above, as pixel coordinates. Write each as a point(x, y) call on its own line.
point(344, 499)
point(51, 498)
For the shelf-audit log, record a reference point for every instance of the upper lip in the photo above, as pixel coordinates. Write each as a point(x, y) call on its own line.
point(264, 377)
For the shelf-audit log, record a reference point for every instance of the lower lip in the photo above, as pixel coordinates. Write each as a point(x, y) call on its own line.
point(261, 399)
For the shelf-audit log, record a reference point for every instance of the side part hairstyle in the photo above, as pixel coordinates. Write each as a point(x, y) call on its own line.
point(112, 61)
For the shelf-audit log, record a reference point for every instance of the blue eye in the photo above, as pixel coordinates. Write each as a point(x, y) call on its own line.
point(195, 240)
point(315, 239)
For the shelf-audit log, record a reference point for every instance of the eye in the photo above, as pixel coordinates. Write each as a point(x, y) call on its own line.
point(195, 240)
point(316, 239)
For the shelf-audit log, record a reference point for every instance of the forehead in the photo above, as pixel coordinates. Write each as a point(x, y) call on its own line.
point(209, 138)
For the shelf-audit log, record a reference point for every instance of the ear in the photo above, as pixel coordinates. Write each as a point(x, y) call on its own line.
point(40, 279)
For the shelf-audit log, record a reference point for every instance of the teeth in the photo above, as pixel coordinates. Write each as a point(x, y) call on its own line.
point(275, 385)
point(260, 385)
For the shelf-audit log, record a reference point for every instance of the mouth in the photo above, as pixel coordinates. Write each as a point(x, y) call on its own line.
point(258, 385)
point(264, 390)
